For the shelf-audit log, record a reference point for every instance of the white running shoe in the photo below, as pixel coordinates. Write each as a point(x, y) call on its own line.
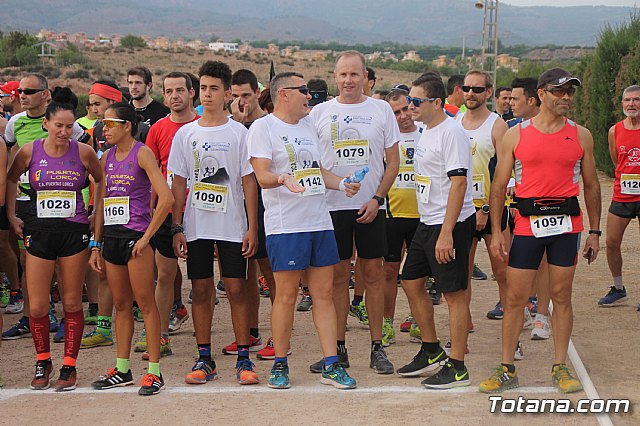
point(541, 329)
point(528, 320)
point(519, 354)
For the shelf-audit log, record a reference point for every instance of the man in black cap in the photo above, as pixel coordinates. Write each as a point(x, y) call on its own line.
point(550, 153)
point(318, 90)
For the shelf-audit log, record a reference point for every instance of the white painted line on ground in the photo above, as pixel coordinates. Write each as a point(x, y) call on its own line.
point(306, 390)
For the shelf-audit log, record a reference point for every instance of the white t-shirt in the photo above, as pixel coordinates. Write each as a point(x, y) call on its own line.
point(441, 149)
point(286, 212)
point(353, 136)
point(215, 160)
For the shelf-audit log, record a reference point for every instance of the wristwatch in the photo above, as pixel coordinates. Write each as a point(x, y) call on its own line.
point(485, 208)
point(380, 200)
point(596, 232)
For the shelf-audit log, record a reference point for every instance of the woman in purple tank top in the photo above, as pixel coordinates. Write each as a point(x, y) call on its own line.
point(123, 229)
point(56, 228)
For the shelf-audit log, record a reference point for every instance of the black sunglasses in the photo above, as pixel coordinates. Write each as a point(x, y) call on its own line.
point(30, 91)
point(302, 89)
point(418, 101)
point(474, 89)
point(561, 91)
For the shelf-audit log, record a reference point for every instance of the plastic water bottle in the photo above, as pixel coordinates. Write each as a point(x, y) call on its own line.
point(357, 176)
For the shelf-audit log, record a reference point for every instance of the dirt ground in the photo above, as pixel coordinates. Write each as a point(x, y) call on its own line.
point(599, 337)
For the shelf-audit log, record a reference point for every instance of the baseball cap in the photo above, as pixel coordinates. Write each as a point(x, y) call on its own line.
point(402, 87)
point(10, 87)
point(318, 90)
point(557, 77)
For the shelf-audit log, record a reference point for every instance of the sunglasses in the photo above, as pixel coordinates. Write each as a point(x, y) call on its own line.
point(30, 91)
point(110, 123)
point(474, 89)
point(302, 89)
point(4, 95)
point(418, 101)
point(561, 91)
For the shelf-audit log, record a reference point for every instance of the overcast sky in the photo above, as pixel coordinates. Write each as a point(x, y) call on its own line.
point(629, 3)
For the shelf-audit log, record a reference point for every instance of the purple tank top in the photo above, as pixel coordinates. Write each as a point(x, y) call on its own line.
point(65, 173)
point(127, 179)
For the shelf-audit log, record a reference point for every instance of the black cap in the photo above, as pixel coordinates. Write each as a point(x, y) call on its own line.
point(557, 77)
point(318, 90)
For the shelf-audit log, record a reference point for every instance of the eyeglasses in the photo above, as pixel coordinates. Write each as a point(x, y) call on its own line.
point(561, 91)
point(418, 101)
point(110, 123)
point(30, 91)
point(302, 89)
point(474, 89)
point(637, 100)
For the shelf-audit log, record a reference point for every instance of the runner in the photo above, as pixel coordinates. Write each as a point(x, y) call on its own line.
point(123, 217)
point(548, 220)
point(284, 152)
point(139, 81)
point(55, 228)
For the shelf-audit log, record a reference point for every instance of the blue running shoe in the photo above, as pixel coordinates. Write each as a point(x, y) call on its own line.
point(59, 336)
point(21, 329)
point(53, 322)
point(336, 376)
point(279, 378)
point(496, 313)
point(614, 297)
point(478, 274)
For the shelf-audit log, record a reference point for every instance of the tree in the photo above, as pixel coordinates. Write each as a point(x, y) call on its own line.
point(70, 55)
point(26, 55)
point(131, 41)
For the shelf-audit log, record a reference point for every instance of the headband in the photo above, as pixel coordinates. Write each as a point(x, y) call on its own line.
point(106, 92)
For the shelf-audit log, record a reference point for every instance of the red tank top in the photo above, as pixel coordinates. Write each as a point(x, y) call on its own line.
point(628, 149)
point(547, 165)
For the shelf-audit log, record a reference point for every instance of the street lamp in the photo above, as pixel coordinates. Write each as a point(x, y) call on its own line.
point(489, 37)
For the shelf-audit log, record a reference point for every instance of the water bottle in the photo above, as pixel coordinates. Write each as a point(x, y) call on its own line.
point(357, 176)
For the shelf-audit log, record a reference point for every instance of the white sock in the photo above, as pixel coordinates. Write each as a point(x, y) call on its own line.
point(617, 283)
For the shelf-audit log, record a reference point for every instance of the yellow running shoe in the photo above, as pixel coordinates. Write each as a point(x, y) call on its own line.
point(94, 339)
point(501, 380)
point(563, 379)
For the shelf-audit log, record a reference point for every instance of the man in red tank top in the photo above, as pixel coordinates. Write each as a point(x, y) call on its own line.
point(548, 153)
point(624, 148)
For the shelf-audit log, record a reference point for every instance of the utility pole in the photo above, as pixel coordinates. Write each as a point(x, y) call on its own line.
point(489, 38)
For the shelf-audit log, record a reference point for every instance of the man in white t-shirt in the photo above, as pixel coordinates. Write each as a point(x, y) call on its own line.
point(356, 131)
point(440, 248)
point(212, 153)
point(283, 148)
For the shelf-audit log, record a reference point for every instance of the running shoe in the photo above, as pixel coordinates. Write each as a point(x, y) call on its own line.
point(563, 379)
point(137, 313)
point(59, 336)
point(360, 312)
point(423, 362)
point(66, 380)
point(414, 333)
point(264, 286)
point(496, 313)
point(388, 333)
point(53, 322)
point(20, 329)
point(91, 318)
point(151, 385)
point(478, 274)
point(245, 374)
point(336, 376)
point(113, 379)
point(5, 296)
point(94, 339)
point(141, 344)
point(255, 344)
point(41, 377)
point(436, 296)
point(380, 363)
point(268, 352)
point(178, 316)
point(406, 324)
point(613, 297)
point(447, 348)
point(447, 378)
point(343, 359)
point(190, 297)
point(519, 354)
point(203, 371)
point(220, 290)
point(541, 329)
point(305, 303)
point(499, 381)
point(16, 303)
point(55, 293)
point(279, 376)
point(528, 319)
point(165, 349)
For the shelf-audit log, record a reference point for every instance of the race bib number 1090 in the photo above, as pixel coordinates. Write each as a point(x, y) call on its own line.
point(210, 197)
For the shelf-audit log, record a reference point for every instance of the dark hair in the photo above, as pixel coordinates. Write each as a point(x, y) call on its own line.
point(433, 87)
point(265, 102)
point(64, 95)
point(371, 74)
point(141, 72)
point(382, 93)
point(175, 74)
point(529, 86)
point(396, 94)
point(109, 83)
point(55, 107)
point(500, 90)
point(454, 80)
point(245, 77)
point(195, 83)
point(125, 111)
point(217, 69)
point(279, 81)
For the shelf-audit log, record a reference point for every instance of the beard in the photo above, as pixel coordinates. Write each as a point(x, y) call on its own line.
point(630, 114)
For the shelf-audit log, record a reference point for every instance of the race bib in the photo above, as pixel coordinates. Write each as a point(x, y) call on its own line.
point(477, 187)
point(210, 197)
point(56, 204)
point(546, 226)
point(423, 186)
point(630, 184)
point(352, 152)
point(312, 181)
point(406, 178)
point(169, 179)
point(116, 211)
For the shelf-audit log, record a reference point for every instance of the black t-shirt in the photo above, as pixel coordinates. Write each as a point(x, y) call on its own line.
point(153, 112)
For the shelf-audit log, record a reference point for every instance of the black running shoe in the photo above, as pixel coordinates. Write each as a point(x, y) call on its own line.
point(380, 363)
point(151, 385)
point(448, 377)
point(423, 362)
point(343, 359)
point(113, 379)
